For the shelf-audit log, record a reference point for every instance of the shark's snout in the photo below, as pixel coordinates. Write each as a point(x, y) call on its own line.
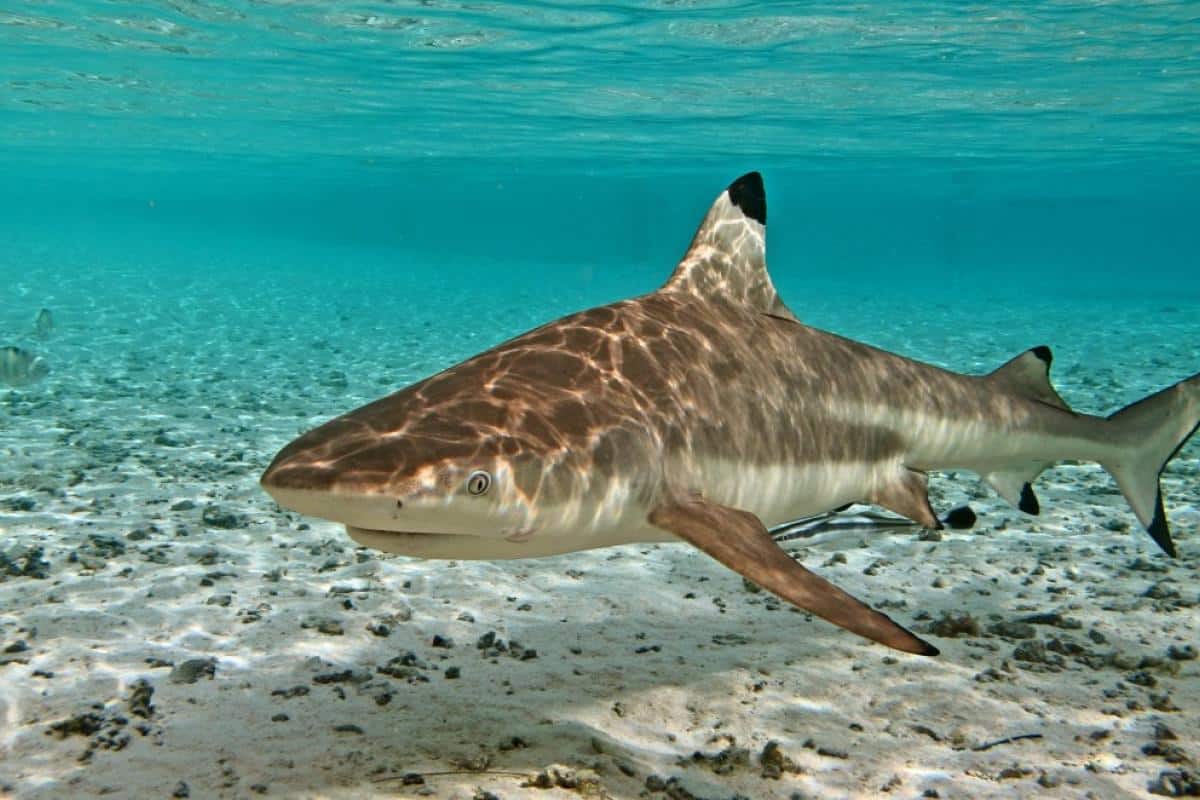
point(296, 483)
point(374, 491)
point(287, 475)
point(357, 509)
point(301, 480)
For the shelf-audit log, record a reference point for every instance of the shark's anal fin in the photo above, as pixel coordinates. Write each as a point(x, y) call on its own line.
point(1015, 486)
point(908, 496)
point(740, 541)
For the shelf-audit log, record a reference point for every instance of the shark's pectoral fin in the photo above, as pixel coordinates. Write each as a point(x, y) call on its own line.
point(1015, 486)
point(908, 496)
point(740, 541)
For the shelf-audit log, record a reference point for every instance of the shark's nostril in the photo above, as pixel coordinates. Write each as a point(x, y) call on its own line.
point(399, 504)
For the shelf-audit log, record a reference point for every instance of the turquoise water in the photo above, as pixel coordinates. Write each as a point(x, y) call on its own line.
point(910, 146)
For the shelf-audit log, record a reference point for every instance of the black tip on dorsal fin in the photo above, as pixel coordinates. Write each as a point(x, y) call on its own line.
point(1043, 353)
point(727, 257)
point(748, 194)
point(1029, 502)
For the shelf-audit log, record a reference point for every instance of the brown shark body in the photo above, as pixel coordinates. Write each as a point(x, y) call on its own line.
point(704, 411)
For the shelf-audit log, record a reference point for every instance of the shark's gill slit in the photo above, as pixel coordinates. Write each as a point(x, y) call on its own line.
point(706, 412)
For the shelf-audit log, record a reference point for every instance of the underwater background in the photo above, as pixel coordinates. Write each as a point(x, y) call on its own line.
point(247, 216)
point(912, 147)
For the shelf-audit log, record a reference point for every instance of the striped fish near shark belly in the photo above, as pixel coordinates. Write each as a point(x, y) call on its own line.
point(705, 412)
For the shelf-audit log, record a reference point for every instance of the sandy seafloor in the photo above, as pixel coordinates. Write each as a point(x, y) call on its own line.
point(167, 631)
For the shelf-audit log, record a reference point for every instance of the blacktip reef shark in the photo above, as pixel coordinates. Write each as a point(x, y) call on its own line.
point(704, 411)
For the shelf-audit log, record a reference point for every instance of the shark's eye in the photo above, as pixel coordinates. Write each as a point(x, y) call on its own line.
point(479, 482)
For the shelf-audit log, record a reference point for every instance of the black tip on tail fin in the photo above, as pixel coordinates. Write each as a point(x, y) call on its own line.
point(1029, 502)
point(1158, 529)
point(1151, 432)
point(748, 194)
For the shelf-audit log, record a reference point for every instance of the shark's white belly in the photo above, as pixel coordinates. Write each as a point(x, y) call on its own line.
point(777, 493)
point(781, 492)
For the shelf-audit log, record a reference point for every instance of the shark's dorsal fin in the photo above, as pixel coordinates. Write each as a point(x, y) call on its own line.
point(727, 257)
point(1028, 375)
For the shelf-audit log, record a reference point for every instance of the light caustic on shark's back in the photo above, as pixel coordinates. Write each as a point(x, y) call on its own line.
point(704, 411)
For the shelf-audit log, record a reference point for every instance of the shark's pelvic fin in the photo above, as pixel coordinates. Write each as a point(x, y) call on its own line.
point(1028, 375)
point(1153, 429)
point(739, 540)
point(727, 256)
point(908, 496)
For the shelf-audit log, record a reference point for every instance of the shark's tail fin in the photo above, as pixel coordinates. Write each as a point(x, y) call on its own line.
point(1156, 428)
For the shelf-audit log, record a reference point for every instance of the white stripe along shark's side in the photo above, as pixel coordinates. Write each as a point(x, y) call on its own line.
point(704, 411)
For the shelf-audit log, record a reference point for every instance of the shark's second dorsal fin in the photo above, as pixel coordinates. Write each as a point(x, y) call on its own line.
point(727, 257)
point(1028, 375)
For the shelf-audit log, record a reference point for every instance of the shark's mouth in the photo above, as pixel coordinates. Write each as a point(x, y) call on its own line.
point(405, 541)
point(515, 535)
point(458, 546)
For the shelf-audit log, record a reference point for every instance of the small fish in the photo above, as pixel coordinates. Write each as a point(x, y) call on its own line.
point(20, 367)
point(43, 324)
